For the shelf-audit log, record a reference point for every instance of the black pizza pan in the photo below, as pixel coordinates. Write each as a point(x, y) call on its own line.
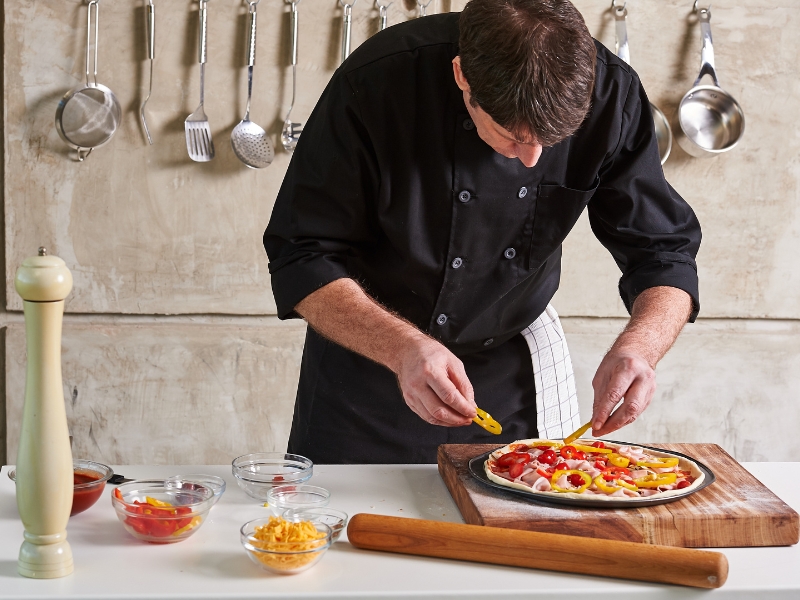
point(476, 469)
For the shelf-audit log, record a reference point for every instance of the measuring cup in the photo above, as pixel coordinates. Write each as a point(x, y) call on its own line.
point(711, 120)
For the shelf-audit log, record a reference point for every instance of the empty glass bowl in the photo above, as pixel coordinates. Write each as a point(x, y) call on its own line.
point(284, 497)
point(284, 558)
point(162, 511)
point(257, 473)
point(217, 484)
point(335, 519)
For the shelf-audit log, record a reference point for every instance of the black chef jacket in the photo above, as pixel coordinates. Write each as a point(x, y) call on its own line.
point(390, 185)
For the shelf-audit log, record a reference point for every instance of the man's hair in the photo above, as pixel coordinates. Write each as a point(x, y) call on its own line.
point(529, 64)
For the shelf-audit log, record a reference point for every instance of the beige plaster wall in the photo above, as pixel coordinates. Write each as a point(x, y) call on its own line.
point(148, 233)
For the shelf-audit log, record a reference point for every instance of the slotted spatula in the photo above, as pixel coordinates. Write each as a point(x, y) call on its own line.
point(198, 132)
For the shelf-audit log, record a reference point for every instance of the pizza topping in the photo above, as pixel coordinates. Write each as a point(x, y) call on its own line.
point(659, 463)
point(653, 481)
point(563, 481)
point(612, 473)
point(548, 457)
point(618, 460)
point(567, 452)
point(592, 449)
point(610, 487)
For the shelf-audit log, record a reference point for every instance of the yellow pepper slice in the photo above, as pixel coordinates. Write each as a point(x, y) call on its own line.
point(609, 487)
point(592, 449)
point(195, 521)
point(548, 443)
point(156, 502)
point(617, 460)
point(659, 463)
point(653, 481)
point(486, 421)
point(587, 481)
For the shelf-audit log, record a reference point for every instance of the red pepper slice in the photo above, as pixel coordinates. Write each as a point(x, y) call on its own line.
point(545, 472)
point(568, 452)
point(511, 458)
point(611, 473)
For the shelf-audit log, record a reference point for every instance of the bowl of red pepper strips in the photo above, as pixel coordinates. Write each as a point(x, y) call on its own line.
point(162, 511)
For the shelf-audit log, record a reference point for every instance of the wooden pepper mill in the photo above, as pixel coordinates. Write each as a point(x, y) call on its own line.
point(44, 461)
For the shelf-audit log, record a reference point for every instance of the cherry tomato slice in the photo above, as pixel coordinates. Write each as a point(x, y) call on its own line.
point(511, 458)
point(547, 457)
point(520, 448)
point(611, 473)
point(683, 483)
point(575, 480)
point(580, 455)
point(567, 452)
point(516, 470)
point(562, 467)
point(598, 444)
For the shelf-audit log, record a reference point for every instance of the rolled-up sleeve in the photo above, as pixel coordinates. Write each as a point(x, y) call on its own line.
point(651, 232)
point(323, 210)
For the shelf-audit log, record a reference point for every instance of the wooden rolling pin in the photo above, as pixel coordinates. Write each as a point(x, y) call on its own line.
point(548, 551)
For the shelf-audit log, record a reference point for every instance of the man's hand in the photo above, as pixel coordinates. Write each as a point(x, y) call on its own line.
point(627, 372)
point(431, 378)
point(435, 385)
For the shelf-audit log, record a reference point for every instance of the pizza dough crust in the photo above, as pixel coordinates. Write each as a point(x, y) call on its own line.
point(684, 464)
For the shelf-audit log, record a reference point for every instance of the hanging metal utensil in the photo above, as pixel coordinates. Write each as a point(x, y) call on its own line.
point(383, 13)
point(291, 131)
point(250, 143)
point(423, 7)
point(151, 53)
point(663, 130)
point(199, 143)
point(347, 22)
point(88, 115)
point(711, 120)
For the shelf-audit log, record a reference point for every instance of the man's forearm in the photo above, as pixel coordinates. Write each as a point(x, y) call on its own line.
point(657, 319)
point(341, 311)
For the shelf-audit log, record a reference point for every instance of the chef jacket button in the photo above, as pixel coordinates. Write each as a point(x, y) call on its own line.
point(441, 319)
point(510, 253)
point(468, 124)
point(488, 342)
point(457, 262)
point(464, 196)
point(523, 191)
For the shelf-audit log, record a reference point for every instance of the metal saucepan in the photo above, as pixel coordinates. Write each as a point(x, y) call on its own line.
point(710, 118)
point(89, 114)
point(663, 130)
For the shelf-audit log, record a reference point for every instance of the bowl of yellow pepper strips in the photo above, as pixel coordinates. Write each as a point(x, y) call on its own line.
point(162, 511)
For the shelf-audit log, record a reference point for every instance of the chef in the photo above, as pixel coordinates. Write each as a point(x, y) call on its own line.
point(418, 231)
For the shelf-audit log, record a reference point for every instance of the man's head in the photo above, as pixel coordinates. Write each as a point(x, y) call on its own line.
point(527, 71)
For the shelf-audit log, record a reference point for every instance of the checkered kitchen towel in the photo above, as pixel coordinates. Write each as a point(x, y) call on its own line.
point(556, 397)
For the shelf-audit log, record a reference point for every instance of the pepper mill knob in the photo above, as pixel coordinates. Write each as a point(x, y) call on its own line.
point(45, 477)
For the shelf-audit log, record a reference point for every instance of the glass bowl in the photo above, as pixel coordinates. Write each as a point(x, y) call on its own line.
point(283, 497)
point(162, 511)
point(284, 558)
point(257, 473)
point(335, 519)
point(89, 482)
point(217, 484)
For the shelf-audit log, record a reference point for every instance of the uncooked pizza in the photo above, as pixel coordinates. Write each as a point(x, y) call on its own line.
point(591, 470)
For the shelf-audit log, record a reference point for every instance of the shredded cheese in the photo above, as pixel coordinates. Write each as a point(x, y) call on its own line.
point(287, 543)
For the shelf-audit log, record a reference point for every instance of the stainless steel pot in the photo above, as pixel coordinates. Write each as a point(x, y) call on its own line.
point(663, 130)
point(711, 120)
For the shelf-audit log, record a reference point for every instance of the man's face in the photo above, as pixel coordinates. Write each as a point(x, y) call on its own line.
point(499, 139)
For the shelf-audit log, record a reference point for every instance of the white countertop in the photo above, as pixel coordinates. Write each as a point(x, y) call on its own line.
point(109, 563)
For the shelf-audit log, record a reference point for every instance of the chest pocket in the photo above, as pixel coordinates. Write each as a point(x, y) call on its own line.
point(557, 210)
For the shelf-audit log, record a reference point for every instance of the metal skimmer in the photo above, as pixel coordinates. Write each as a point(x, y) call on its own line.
point(250, 143)
point(198, 132)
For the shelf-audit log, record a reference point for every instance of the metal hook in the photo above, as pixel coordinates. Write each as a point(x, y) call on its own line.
point(347, 6)
point(423, 7)
point(382, 6)
point(80, 156)
point(696, 10)
point(614, 4)
point(252, 4)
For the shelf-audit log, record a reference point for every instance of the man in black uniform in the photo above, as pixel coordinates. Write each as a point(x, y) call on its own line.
point(418, 230)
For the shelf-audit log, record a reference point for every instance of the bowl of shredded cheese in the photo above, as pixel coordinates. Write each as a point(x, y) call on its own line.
point(285, 547)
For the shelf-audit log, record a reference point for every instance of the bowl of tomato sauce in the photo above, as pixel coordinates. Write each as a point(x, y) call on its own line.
point(89, 482)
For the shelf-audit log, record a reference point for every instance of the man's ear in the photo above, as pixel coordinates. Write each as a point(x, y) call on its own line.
point(461, 81)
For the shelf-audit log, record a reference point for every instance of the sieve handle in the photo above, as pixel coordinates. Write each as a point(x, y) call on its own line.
point(203, 31)
point(707, 54)
point(96, 5)
point(623, 50)
point(251, 49)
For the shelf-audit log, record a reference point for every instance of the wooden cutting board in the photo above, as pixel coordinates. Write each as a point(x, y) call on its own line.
point(736, 510)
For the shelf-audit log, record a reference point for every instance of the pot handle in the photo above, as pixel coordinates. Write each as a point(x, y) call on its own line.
point(620, 14)
point(707, 54)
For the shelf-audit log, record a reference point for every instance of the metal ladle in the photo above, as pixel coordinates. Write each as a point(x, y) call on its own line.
point(663, 130)
point(291, 131)
point(250, 143)
point(711, 120)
